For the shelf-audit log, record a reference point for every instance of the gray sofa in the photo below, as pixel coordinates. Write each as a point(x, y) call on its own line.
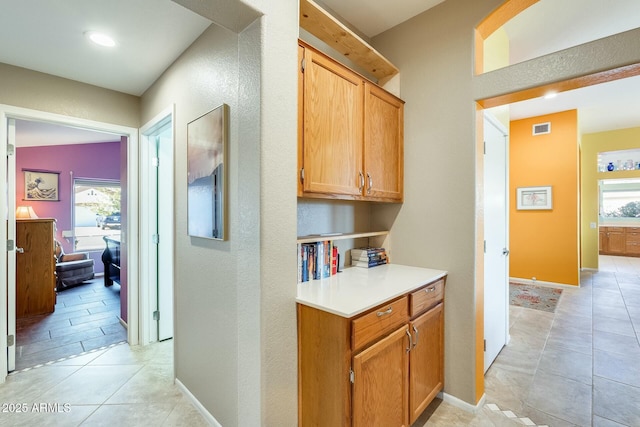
point(72, 269)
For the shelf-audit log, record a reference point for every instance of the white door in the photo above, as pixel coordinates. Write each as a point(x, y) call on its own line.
point(496, 221)
point(11, 236)
point(156, 257)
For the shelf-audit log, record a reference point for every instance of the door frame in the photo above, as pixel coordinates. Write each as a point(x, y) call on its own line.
point(148, 263)
point(11, 112)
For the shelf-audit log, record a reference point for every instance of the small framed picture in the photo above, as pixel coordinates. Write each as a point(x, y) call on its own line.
point(41, 185)
point(534, 198)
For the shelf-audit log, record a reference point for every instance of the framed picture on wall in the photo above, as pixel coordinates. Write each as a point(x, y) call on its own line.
point(534, 198)
point(206, 174)
point(41, 185)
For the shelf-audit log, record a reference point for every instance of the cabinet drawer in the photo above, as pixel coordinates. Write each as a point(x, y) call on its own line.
point(632, 236)
point(633, 248)
point(620, 229)
point(426, 297)
point(378, 322)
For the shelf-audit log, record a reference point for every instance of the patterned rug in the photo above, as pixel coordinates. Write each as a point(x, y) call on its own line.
point(532, 296)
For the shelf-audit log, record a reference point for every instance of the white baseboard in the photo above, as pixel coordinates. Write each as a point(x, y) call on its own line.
point(541, 283)
point(452, 400)
point(206, 414)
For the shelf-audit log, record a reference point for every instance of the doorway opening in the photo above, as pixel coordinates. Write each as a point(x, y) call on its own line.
point(61, 207)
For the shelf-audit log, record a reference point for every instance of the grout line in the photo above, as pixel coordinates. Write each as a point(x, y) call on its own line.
point(73, 356)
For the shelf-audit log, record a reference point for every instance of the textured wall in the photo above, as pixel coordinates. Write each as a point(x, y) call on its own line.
point(30, 89)
point(235, 323)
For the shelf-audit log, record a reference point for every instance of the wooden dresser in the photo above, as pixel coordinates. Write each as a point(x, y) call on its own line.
point(35, 267)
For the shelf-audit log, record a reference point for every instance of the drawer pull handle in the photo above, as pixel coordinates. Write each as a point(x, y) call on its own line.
point(431, 289)
point(410, 341)
point(384, 313)
point(415, 330)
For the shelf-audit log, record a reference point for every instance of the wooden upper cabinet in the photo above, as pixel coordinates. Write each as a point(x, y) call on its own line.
point(383, 144)
point(350, 133)
point(332, 138)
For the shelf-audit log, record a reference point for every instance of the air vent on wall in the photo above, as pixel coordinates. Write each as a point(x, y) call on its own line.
point(542, 128)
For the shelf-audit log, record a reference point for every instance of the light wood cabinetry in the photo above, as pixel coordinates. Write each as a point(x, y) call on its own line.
point(350, 135)
point(381, 367)
point(622, 241)
point(35, 267)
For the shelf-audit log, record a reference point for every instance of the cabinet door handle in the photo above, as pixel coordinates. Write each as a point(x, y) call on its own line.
point(370, 183)
point(361, 182)
point(19, 250)
point(384, 313)
point(410, 340)
point(415, 331)
point(431, 289)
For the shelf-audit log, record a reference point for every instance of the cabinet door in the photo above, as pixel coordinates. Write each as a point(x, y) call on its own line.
point(380, 388)
point(332, 139)
point(383, 144)
point(615, 241)
point(426, 360)
point(602, 240)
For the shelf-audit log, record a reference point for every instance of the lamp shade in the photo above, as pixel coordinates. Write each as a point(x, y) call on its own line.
point(25, 212)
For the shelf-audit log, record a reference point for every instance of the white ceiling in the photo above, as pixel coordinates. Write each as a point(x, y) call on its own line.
point(48, 37)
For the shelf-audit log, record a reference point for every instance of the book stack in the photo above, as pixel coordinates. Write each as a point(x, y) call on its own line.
point(368, 257)
point(317, 260)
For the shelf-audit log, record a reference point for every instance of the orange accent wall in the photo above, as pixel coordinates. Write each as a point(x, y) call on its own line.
point(545, 243)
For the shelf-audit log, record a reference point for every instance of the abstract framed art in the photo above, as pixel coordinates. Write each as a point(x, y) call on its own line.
point(534, 198)
point(206, 174)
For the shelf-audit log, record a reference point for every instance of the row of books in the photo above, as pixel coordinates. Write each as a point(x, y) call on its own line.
point(317, 260)
point(368, 257)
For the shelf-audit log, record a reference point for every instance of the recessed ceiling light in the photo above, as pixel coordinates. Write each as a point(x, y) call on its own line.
point(551, 95)
point(100, 38)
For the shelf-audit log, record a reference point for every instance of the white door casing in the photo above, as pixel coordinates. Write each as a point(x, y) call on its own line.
point(156, 244)
point(11, 235)
point(8, 112)
point(496, 234)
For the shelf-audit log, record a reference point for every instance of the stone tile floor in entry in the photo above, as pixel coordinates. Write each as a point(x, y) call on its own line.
point(117, 386)
point(579, 366)
point(86, 317)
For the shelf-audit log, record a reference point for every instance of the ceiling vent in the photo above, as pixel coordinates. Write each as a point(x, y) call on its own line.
point(542, 128)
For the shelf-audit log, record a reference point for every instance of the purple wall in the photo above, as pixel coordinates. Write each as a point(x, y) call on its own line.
point(101, 160)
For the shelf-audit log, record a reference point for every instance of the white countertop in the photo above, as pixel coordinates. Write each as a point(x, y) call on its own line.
point(356, 290)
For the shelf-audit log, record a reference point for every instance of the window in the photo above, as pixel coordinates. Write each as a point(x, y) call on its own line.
point(96, 212)
point(620, 199)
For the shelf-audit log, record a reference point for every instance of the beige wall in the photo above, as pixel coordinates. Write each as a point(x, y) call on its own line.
point(235, 327)
point(24, 88)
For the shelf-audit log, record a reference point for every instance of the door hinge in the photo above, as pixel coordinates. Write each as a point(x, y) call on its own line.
point(155, 239)
point(352, 376)
point(484, 147)
point(11, 340)
point(11, 149)
point(485, 345)
point(155, 162)
point(485, 246)
point(302, 175)
point(11, 245)
point(156, 315)
point(303, 64)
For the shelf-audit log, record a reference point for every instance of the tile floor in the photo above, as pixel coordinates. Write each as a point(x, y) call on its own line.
point(85, 317)
point(116, 386)
point(575, 367)
point(578, 366)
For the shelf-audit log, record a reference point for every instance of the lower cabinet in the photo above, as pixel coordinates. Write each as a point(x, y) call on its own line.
point(381, 368)
point(622, 241)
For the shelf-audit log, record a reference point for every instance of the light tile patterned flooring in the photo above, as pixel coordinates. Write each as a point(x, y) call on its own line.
point(579, 366)
point(117, 386)
point(575, 367)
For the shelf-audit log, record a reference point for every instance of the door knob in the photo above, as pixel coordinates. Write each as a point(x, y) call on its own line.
point(20, 250)
point(505, 251)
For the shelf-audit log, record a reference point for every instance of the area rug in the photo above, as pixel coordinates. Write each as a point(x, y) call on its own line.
point(532, 296)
